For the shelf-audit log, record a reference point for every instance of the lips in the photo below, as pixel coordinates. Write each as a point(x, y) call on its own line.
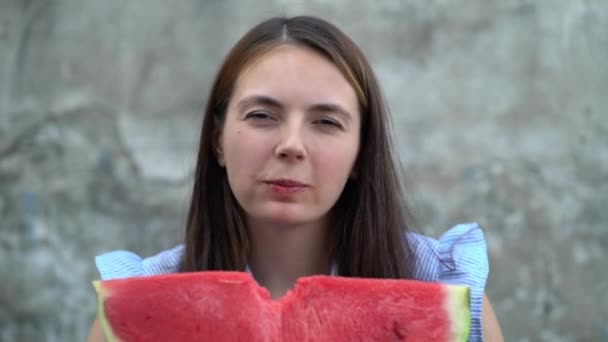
point(288, 183)
point(285, 187)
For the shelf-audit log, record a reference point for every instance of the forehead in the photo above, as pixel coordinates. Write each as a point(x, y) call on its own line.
point(295, 73)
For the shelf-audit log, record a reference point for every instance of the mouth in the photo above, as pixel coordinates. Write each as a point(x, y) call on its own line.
point(287, 183)
point(285, 186)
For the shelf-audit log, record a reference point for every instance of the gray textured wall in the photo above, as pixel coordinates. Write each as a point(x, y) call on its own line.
point(500, 114)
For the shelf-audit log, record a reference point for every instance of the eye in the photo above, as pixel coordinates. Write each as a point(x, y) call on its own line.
point(259, 115)
point(329, 122)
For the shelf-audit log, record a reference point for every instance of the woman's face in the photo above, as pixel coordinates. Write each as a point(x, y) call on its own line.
point(291, 136)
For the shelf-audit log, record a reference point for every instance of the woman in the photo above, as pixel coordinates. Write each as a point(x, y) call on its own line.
point(295, 176)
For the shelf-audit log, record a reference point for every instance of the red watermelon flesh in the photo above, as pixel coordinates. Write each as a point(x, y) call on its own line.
point(230, 306)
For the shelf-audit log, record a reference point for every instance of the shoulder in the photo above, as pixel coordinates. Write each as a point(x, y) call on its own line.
point(459, 256)
point(123, 264)
point(460, 251)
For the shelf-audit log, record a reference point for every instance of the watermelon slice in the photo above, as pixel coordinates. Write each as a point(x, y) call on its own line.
point(230, 306)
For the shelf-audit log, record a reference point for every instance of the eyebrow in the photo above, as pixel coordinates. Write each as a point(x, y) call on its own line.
point(272, 102)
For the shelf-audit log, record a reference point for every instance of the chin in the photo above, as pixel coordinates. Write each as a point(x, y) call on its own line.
point(285, 219)
point(286, 214)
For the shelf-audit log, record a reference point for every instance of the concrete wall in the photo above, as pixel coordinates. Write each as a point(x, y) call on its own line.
point(500, 114)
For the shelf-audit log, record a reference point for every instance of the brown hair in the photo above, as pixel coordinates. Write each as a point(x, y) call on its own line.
point(371, 215)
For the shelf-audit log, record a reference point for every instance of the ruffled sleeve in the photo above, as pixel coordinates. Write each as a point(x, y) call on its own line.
point(124, 264)
point(460, 257)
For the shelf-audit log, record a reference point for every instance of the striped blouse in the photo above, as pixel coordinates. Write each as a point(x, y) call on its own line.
point(459, 256)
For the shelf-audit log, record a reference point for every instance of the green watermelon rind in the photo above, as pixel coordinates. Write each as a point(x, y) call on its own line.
point(101, 315)
point(458, 307)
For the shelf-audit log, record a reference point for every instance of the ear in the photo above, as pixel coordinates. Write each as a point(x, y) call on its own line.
point(353, 173)
point(354, 170)
point(217, 147)
point(219, 154)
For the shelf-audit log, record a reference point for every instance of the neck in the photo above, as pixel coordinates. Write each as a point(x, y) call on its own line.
point(280, 254)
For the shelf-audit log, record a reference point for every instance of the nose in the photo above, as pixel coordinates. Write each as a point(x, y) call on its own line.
point(291, 146)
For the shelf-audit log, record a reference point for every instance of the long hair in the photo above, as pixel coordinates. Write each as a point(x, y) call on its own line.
point(371, 216)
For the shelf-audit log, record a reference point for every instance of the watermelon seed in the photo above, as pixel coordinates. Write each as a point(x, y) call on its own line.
point(399, 331)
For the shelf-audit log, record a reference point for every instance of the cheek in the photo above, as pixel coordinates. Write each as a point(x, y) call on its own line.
point(334, 165)
point(243, 159)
